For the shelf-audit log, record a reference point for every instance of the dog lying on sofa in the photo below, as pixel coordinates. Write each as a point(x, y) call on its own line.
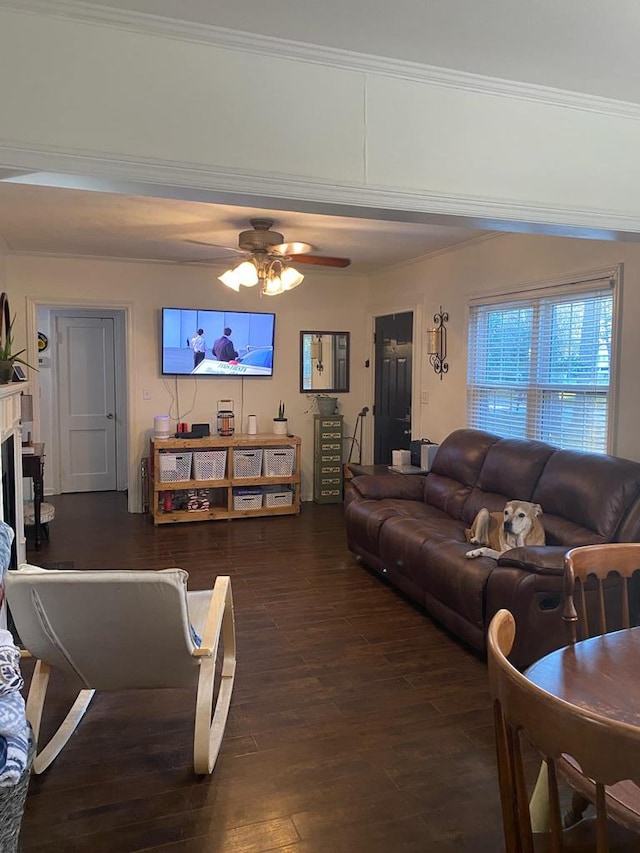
point(517, 526)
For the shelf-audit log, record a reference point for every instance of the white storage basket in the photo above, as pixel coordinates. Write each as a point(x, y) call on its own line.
point(175, 467)
point(279, 461)
point(247, 499)
point(209, 464)
point(247, 463)
point(281, 498)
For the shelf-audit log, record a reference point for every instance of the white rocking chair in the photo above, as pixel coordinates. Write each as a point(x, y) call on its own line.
point(111, 630)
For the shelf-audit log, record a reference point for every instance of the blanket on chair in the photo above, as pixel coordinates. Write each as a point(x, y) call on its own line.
point(15, 732)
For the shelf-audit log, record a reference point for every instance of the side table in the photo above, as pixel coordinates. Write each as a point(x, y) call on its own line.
point(33, 467)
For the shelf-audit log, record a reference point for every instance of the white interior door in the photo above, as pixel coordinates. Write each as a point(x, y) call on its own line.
point(87, 403)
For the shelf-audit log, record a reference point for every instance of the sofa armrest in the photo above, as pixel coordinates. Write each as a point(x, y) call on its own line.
point(398, 486)
point(540, 560)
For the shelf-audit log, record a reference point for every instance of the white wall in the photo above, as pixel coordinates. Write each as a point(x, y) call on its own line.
point(498, 265)
point(3, 267)
point(191, 109)
point(323, 301)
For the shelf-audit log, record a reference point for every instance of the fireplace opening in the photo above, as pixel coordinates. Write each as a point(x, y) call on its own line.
point(9, 492)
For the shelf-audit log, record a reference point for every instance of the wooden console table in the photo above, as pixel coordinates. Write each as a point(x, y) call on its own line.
point(224, 486)
point(33, 467)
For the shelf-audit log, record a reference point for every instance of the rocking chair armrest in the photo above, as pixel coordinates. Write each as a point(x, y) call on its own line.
point(220, 598)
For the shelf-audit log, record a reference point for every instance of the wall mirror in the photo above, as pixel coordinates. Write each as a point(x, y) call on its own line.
point(324, 362)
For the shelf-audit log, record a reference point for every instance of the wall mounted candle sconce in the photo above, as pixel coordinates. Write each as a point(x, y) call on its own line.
point(437, 343)
point(316, 353)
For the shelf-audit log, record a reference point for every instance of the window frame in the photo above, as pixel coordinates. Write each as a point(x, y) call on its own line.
point(535, 386)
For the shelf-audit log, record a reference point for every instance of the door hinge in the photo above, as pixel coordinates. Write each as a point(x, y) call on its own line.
point(373, 411)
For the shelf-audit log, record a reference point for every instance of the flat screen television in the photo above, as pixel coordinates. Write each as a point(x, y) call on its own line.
point(190, 336)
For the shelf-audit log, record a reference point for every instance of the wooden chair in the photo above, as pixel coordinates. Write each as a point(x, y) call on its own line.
point(608, 570)
point(607, 752)
point(112, 630)
point(599, 562)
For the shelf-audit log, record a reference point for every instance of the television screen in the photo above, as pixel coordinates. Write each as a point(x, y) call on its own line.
point(217, 343)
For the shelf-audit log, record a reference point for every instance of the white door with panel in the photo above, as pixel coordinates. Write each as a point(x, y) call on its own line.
point(87, 403)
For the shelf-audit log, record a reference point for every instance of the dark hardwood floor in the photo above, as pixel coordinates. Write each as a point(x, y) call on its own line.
point(357, 724)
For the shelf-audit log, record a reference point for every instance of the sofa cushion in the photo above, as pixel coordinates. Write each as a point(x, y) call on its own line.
point(560, 531)
point(593, 492)
point(402, 540)
point(455, 469)
point(461, 591)
point(511, 470)
point(365, 518)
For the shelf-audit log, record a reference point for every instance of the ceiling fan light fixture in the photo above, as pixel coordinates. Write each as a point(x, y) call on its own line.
point(267, 257)
point(272, 286)
point(246, 273)
point(290, 278)
point(230, 279)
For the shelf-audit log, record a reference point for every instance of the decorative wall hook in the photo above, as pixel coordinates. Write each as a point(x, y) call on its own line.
point(437, 343)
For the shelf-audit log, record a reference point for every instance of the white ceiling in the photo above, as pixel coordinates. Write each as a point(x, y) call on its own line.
point(588, 46)
point(579, 45)
point(36, 219)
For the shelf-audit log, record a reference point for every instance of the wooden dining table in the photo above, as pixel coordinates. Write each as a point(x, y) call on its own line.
point(600, 675)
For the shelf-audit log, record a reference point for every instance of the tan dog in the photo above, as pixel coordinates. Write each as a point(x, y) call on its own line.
point(519, 524)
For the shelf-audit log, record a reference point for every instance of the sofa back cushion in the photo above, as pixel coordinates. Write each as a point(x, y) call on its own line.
point(456, 468)
point(511, 470)
point(591, 491)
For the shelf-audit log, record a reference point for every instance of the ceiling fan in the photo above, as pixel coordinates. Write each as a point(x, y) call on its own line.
point(268, 259)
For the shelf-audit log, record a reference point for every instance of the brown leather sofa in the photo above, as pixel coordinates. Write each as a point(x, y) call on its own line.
point(411, 529)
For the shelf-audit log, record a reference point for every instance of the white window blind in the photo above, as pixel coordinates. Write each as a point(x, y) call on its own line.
point(540, 365)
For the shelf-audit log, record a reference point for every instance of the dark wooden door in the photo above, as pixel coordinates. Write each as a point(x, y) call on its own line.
point(393, 367)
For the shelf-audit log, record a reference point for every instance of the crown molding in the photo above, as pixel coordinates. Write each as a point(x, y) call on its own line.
point(368, 64)
point(105, 172)
point(445, 250)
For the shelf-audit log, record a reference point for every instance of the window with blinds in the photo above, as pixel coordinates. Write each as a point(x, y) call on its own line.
point(540, 365)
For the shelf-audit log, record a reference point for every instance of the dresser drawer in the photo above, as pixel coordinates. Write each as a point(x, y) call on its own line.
point(329, 469)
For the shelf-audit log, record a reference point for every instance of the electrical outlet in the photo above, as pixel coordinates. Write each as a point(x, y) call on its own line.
point(424, 398)
point(146, 394)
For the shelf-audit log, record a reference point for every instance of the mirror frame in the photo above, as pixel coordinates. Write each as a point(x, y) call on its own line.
point(344, 390)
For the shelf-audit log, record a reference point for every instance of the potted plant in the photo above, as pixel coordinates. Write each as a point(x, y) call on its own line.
point(7, 356)
point(326, 405)
point(280, 423)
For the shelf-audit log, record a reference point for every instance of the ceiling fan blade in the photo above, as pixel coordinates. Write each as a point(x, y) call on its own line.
point(233, 249)
point(290, 249)
point(320, 260)
point(202, 261)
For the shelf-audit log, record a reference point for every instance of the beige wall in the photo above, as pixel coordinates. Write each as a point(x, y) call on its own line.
point(332, 301)
point(323, 301)
point(450, 279)
point(3, 267)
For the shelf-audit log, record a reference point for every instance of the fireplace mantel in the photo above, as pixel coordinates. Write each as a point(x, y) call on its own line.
point(11, 495)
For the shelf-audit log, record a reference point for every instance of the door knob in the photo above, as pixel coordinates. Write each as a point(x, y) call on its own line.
point(109, 417)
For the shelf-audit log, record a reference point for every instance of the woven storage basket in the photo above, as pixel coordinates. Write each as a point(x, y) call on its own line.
point(247, 498)
point(209, 464)
point(278, 461)
point(284, 497)
point(175, 467)
point(247, 463)
point(12, 802)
